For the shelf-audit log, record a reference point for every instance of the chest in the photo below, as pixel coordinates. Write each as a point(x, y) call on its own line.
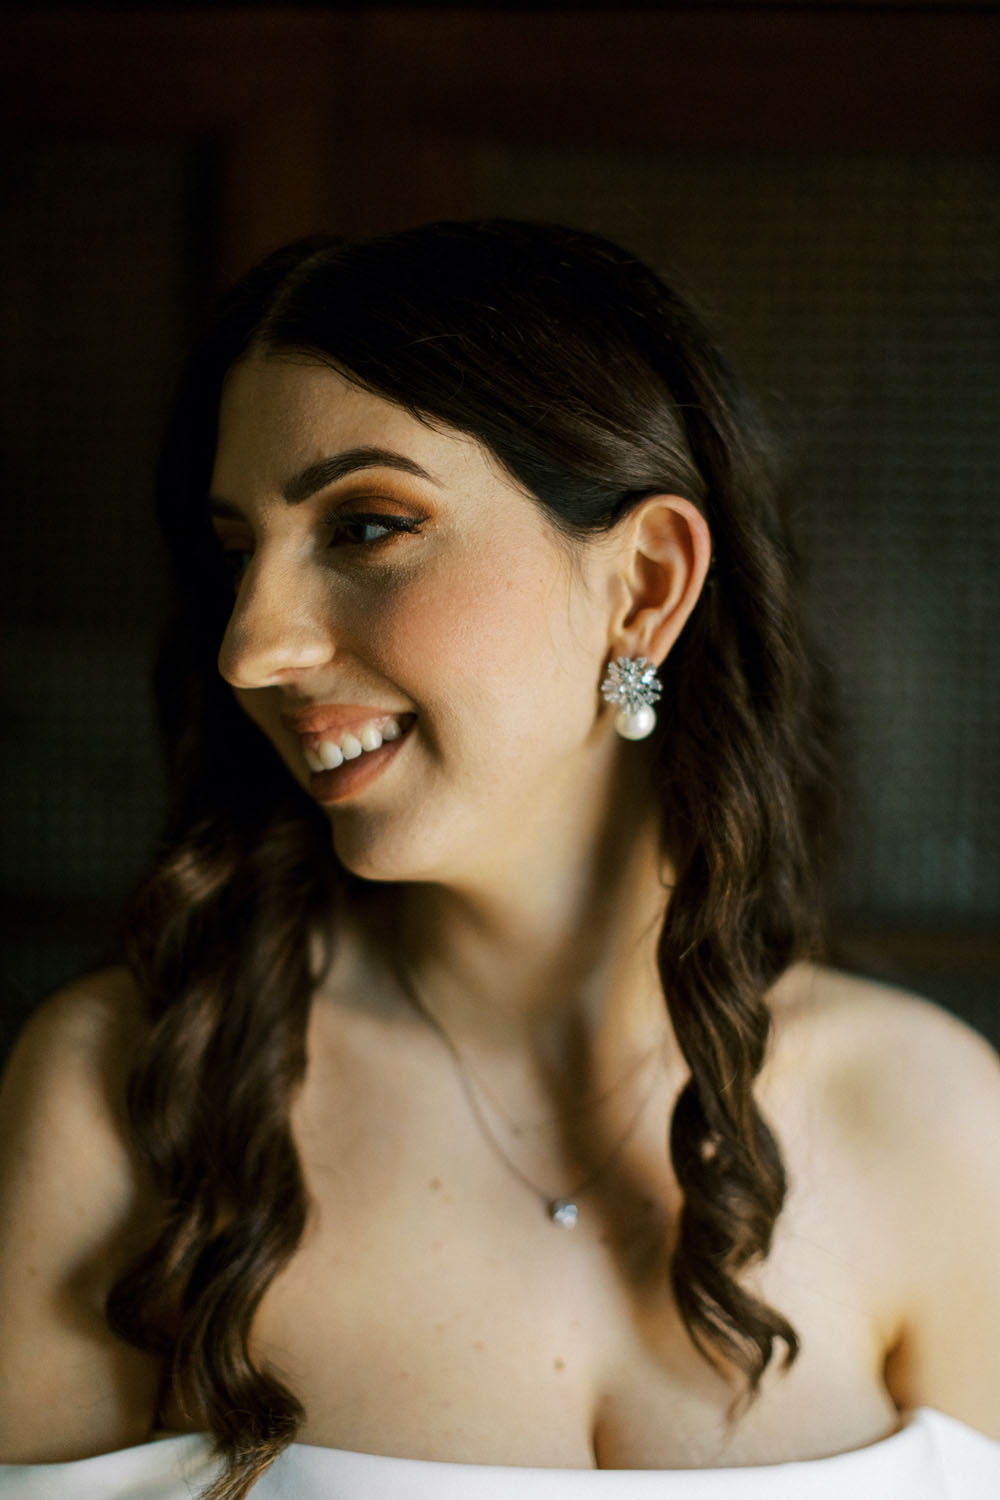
point(433, 1310)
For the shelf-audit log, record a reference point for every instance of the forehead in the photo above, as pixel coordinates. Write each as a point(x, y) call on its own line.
point(278, 416)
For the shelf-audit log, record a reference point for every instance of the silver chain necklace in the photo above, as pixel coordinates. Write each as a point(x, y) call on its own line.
point(563, 1210)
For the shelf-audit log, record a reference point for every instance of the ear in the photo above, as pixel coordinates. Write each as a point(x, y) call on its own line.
point(666, 549)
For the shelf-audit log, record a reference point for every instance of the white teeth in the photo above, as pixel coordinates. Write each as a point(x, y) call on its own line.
point(330, 756)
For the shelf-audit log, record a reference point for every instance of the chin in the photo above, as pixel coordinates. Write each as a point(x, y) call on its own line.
point(374, 848)
point(397, 848)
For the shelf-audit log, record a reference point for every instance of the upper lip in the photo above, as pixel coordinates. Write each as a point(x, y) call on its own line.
point(336, 718)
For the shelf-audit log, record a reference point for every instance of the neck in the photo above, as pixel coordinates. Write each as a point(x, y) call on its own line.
point(551, 962)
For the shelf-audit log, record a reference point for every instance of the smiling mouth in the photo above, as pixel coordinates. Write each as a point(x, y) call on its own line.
point(327, 752)
point(341, 764)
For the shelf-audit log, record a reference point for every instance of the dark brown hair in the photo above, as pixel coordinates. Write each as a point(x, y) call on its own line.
point(595, 386)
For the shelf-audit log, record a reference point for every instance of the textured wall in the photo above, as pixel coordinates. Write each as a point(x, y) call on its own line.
point(96, 308)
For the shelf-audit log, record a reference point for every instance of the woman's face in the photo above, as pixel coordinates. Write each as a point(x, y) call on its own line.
point(391, 579)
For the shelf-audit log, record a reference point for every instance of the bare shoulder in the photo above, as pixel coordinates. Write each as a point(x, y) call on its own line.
point(883, 1057)
point(99, 1010)
point(909, 1098)
point(63, 1087)
point(74, 1208)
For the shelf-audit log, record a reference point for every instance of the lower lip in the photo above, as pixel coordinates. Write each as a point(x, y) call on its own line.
point(354, 775)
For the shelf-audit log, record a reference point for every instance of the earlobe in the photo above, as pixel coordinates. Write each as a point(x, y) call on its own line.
point(666, 557)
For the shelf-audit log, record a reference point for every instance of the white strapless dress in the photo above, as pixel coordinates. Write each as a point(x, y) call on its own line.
point(931, 1457)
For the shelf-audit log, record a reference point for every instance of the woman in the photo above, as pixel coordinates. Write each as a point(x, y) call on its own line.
point(464, 911)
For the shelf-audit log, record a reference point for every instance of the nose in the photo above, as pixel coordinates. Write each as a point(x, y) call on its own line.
point(279, 628)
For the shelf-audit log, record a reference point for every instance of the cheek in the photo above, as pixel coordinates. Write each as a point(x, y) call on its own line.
point(499, 642)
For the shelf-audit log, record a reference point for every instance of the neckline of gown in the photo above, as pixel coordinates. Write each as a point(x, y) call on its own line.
point(929, 1456)
point(907, 1421)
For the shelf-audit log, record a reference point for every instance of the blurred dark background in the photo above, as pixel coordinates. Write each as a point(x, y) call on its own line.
point(822, 178)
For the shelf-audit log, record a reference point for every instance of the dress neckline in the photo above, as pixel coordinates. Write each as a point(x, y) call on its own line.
point(907, 1420)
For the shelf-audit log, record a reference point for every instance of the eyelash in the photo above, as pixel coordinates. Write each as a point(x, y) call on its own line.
point(235, 559)
point(393, 525)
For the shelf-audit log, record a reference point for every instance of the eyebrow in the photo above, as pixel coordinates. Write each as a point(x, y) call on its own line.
point(328, 470)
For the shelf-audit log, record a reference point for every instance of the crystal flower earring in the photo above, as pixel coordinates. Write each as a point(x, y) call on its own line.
point(632, 684)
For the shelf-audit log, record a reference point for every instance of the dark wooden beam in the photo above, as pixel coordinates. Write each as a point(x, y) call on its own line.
point(370, 118)
point(707, 76)
point(846, 74)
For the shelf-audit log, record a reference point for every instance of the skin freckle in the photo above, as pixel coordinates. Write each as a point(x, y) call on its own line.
point(435, 1184)
point(558, 1363)
point(478, 1345)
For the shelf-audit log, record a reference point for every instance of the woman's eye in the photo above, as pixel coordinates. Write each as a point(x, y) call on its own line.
point(352, 529)
point(367, 530)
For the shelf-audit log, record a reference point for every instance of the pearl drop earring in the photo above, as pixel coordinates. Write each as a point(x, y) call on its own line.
point(632, 684)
